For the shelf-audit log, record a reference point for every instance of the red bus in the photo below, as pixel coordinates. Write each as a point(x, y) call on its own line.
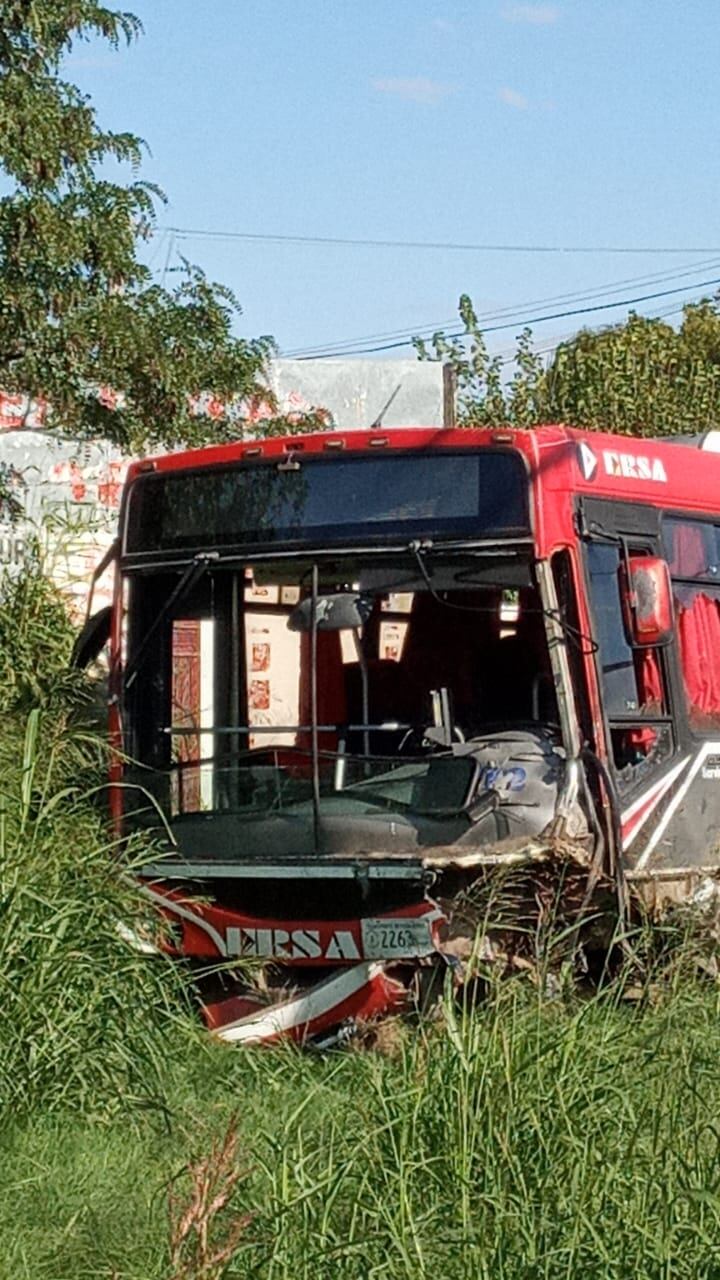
point(354, 671)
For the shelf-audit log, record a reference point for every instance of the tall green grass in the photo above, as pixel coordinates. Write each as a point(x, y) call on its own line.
point(84, 1019)
point(527, 1141)
point(36, 638)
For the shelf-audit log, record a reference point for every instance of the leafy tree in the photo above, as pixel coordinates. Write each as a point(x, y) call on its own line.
point(526, 399)
point(78, 310)
point(642, 377)
point(481, 399)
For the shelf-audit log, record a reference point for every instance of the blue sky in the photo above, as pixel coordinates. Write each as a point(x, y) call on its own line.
point(577, 123)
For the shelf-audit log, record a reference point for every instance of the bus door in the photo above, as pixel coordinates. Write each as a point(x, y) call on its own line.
point(645, 731)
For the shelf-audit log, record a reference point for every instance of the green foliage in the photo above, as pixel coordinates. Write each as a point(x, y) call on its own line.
point(85, 1017)
point(481, 398)
point(639, 378)
point(78, 310)
point(36, 639)
point(529, 1141)
point(526, 394)
point(296, 424)
point(11, 508)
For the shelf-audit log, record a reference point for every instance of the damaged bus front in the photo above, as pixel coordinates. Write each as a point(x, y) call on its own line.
point(343, 682)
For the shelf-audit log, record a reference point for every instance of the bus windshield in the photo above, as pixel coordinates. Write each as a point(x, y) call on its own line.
point(258, 734)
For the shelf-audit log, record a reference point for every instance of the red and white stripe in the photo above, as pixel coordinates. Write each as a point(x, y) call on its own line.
point(362, 991)
point(707, 749)
point(637, 814)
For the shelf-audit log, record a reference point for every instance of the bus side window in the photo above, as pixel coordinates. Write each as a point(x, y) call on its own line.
point(632, 679)
point(692, 548)
point(562, 571)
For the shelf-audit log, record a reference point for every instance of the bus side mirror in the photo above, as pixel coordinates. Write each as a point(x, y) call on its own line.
point(647, 597)
point(92, 639)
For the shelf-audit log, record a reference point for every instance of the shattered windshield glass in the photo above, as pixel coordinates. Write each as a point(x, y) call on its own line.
point(270, 717)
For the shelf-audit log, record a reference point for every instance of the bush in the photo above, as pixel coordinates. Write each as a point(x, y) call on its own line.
point(36, 638)
point(85, 1016)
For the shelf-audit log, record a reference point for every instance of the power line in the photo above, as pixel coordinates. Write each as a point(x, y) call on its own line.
point(404, 338)
point(203, 233)
point(581, 295)
point(557, 315)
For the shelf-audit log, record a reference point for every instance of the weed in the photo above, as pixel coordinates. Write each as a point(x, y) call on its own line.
point(36, 638)
point(204, 1238)
point(85, 1018)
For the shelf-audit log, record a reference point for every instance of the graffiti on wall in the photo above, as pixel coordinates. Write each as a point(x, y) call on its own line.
point(60, 499)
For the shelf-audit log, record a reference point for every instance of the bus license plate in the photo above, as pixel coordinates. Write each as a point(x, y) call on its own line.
point(393, 939)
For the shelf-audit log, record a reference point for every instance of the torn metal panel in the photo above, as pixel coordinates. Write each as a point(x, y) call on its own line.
point(364, 991)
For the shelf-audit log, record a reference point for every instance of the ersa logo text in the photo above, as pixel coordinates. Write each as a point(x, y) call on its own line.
point(625, 466)
point(293, 944)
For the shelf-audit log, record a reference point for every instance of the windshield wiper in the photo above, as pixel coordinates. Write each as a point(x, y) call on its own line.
point(192, 575)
